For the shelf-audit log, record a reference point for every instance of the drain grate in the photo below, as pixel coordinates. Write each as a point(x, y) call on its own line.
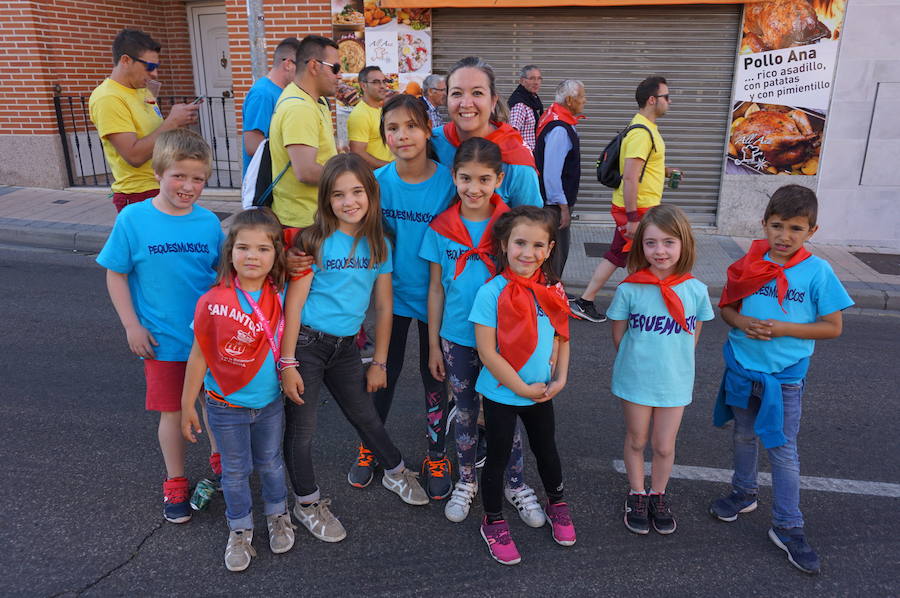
point(596, 249)
point(61, 201)
point(883, 263)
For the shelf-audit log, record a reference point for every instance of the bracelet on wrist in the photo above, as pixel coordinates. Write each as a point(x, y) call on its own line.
point(634, 216)
point(287, 362)
point(383, 366)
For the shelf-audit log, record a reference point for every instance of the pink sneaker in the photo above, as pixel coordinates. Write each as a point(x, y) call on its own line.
point(501, 545)
point(561, 523)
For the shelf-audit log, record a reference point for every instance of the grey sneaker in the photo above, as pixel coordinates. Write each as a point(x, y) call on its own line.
point(584, 309)
point(239, 550)
point(319, 520)
point(526, 503)
point(460, 502)
point(281, 532)
point(405, 485)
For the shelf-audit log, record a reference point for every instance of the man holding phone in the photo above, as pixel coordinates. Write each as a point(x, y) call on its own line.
point(129, 120)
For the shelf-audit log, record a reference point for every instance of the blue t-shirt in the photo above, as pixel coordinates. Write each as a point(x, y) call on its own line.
point(264, 387)
point(341, 286)
point(655, 362)
point(408, 209)
point(536, 369)
point(520, 184)
point(256, 113)
point(813, 291)
point(460, 293)
point(170, 262)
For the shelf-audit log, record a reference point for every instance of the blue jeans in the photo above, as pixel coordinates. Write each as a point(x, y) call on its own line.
point(249, 439)
point(784, 459)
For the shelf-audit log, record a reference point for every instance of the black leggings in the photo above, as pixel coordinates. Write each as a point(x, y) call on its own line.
point(540, 424)
point(435, 390)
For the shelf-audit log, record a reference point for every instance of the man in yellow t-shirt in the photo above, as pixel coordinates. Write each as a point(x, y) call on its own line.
point(302, 132)
point(364, 123)
point(128, 119)
point(642, 162)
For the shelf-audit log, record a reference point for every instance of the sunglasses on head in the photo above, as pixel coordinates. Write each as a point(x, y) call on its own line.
point(335, 68)
point(150, 66)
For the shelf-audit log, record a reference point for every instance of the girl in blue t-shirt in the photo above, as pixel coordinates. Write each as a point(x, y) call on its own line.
point(521, 319)
point(323, 313)
point(414, 189)
point(458, 245)
point(237, 327)
point(656, 315)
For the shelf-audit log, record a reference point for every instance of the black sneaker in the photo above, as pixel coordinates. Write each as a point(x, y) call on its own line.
point(584, 309)
point(362, 472)
point(438, 482)
point(660, 514)
point(636, 516)
point(800, 554)
point(728, 508)
point(481, 448)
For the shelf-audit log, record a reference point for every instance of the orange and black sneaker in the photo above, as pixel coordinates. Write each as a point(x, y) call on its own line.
point(362, 472)
point(438, 481)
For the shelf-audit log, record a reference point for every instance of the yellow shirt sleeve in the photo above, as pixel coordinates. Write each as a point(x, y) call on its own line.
point(112, 115)
point(358, 125)
point(637, 144)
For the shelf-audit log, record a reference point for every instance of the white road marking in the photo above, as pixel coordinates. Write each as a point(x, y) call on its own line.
point(710, 474)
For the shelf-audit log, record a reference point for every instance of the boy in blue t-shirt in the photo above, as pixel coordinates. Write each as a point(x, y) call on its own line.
point(779, 299)
point(160, 258)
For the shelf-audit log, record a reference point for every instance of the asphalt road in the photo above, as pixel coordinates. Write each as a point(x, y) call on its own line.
point(82, 475)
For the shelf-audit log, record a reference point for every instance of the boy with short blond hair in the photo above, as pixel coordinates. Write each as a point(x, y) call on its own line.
point(779, 299)
point(160, 258)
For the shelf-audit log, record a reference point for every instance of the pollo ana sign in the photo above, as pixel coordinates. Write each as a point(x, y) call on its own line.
point(782, 86)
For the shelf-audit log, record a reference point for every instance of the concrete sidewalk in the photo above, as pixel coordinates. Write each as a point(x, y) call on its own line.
point(80, 220)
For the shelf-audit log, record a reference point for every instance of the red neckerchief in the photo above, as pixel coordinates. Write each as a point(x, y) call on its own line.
point(512, 148)
point(557, 112)
point(517, 328)
point(752, 272)
point(234, 343)
point(670, 297)
point(449, 224)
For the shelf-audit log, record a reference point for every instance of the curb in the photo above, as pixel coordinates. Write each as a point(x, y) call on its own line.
point(54, 238)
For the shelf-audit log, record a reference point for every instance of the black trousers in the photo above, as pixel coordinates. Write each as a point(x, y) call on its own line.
point(563, 238)
point(540, 424)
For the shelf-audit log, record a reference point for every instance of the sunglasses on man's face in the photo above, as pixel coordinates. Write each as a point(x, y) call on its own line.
point(150, 66)
point(662, 95)
point(335, 68)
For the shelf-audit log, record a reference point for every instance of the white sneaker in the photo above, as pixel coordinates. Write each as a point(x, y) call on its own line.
point(319, 520)
point(239, 550)
point(405, 485)
point(460, 502)
point(281, 532)
point(526, 503)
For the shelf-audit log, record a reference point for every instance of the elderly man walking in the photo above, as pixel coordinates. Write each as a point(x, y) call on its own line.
point(525, 106)
point(557, 154)
point(434, 95)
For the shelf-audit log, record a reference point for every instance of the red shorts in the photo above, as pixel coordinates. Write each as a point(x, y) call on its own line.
point(620, 246)
point(165, 381)
point(120, 200)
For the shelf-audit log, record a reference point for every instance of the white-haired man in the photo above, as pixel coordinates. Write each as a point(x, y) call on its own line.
point(434, 95)
point(557, 153)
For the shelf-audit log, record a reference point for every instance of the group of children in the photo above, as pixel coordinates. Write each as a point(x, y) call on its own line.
point(442, 247)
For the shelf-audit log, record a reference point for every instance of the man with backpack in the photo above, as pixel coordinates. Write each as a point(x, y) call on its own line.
point(642, 164)
point(259, 104)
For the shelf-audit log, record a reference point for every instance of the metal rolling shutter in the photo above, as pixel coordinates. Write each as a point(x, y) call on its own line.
point(612, 50)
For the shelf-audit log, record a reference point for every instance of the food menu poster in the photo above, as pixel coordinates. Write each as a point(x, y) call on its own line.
point(396, 40)
point(782, 86)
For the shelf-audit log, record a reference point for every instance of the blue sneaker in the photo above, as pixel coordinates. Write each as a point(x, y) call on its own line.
point(176, 508)
point(728, 508)
point(800, 554)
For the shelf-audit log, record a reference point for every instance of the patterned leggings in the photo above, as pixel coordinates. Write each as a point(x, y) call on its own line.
point(463, 365)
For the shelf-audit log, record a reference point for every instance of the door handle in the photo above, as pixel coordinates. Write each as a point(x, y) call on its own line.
point(227, 93)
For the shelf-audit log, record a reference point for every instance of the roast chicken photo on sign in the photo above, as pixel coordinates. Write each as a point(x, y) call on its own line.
point(781, 24)
point(775, 139)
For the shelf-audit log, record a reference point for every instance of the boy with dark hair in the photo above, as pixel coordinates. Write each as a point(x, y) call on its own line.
point(160, 258)
point(128, 118)
point(779, 299)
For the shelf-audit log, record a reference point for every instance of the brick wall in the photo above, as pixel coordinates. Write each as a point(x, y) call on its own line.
point(68, 43)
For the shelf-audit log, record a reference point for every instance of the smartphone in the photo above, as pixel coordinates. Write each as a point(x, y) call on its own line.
point(198, 99)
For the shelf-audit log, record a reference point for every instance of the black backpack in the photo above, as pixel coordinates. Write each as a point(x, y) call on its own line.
point(608, 164)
